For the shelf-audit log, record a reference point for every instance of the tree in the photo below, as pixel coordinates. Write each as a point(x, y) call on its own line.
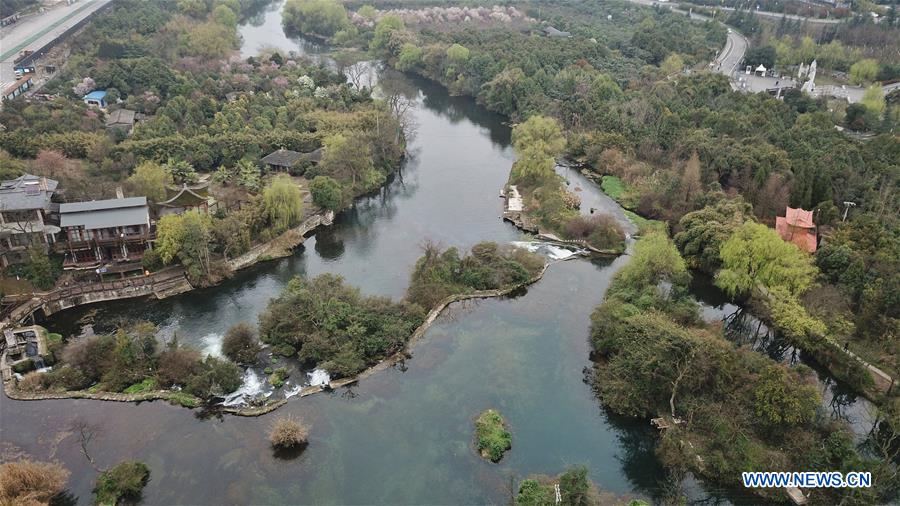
point(188, 237)
point(327, 193)
point(317, 17)
point(384, 28)
point(873, 99)
point(367, 12)
point(410, 56)
point(755, 257)
point(864, 71)
point(347, 158)
point(149, 180)
point(10, 167)
point(214, 377)
point(781, 402)
point(704, 231)
point(169, 235)
point(458, 53)
point(38, 268)
point(673, 64)
point(537, 141)
point(181, 171)
point(240, 344)
point(31, 483)
point(283, 203)
point(121, 484)
point(690, 178)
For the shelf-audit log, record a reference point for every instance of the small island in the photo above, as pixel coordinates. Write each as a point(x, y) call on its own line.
point(492, 439)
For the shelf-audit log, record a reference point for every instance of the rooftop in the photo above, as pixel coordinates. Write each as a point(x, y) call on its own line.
point(96, 95)
point(26, 192)
point(105, 213)
point(282, 158)
point(120, 117)
point(186, 196)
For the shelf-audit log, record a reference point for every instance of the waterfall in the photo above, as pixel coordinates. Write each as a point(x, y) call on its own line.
point(318, 377)
point(253, 386)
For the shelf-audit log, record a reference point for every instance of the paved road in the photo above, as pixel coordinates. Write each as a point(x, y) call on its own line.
point(33, 32)
point(777, 15)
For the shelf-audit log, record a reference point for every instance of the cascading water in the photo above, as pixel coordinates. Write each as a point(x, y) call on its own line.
point(253, 386)
point(550, 251)
point(318, 377)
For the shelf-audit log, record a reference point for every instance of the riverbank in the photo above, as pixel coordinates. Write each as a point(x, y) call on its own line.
point(162, 284)
point(190, 401)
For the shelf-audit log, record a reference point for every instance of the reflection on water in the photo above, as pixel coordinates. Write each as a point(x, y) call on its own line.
point(744, 329)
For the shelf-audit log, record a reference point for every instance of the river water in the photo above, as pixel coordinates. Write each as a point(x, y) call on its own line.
point(404, 435)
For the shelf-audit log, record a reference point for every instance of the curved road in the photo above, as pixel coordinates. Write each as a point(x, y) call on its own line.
point(35, 31)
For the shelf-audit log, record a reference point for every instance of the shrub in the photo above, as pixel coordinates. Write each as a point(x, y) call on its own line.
point(24, 366)
point(438, 274)
point(28, 482)
point(240, 344)
point(31, 382)
point(326, 192)
point(332, 323)
point(278, 376)
point(214, 378)
point(600, 231)
point(66, 378)
point(122, 483)
point(288, 433)
point(491, 437)
point(176, 365)
point(151, 261)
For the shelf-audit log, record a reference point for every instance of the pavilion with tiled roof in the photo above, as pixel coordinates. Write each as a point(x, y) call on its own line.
point(797, 227)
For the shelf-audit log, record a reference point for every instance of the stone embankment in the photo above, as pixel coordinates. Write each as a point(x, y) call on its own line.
point(14, 393)
point(161, 284)
point(282, 245)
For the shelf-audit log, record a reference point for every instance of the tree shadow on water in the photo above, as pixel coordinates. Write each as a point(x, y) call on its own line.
point(291, 453)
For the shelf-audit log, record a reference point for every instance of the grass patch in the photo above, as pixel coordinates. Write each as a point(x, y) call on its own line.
point(613, 186)
point(491, 437)
point(183, 399)
point(144, 386)
point(644, 225)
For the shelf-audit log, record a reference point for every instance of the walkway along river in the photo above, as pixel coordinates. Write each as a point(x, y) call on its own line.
point(403, 435)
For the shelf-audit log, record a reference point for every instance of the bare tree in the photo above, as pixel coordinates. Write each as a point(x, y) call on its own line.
point(86, 433)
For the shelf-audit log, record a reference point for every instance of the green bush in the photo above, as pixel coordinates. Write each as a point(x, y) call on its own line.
point(327, 193)
point(123, 483)
point(491, 437)
point(24, 366)
point(332, 324)
point(439, 274)
point(144, 386)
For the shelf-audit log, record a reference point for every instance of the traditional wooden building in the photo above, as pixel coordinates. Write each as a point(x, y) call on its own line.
point(184, 198)
point(285, 160)
point(28, 216)
point(102, 231)
point(797, 227)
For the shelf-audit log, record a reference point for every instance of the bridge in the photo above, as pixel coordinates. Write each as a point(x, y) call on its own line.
point(19, 308)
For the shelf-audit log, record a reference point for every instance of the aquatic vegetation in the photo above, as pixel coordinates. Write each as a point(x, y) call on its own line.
point(121, 484)
point(491, 437)
point(288, 433)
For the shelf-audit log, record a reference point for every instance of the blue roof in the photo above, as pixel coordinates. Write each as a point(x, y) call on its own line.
point(96, 95)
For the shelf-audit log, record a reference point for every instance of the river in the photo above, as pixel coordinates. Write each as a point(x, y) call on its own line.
point(404, 435)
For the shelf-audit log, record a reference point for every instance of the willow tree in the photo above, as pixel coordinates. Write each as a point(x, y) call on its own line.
point(755, 257)
point(282, 203)
point(537, 142)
